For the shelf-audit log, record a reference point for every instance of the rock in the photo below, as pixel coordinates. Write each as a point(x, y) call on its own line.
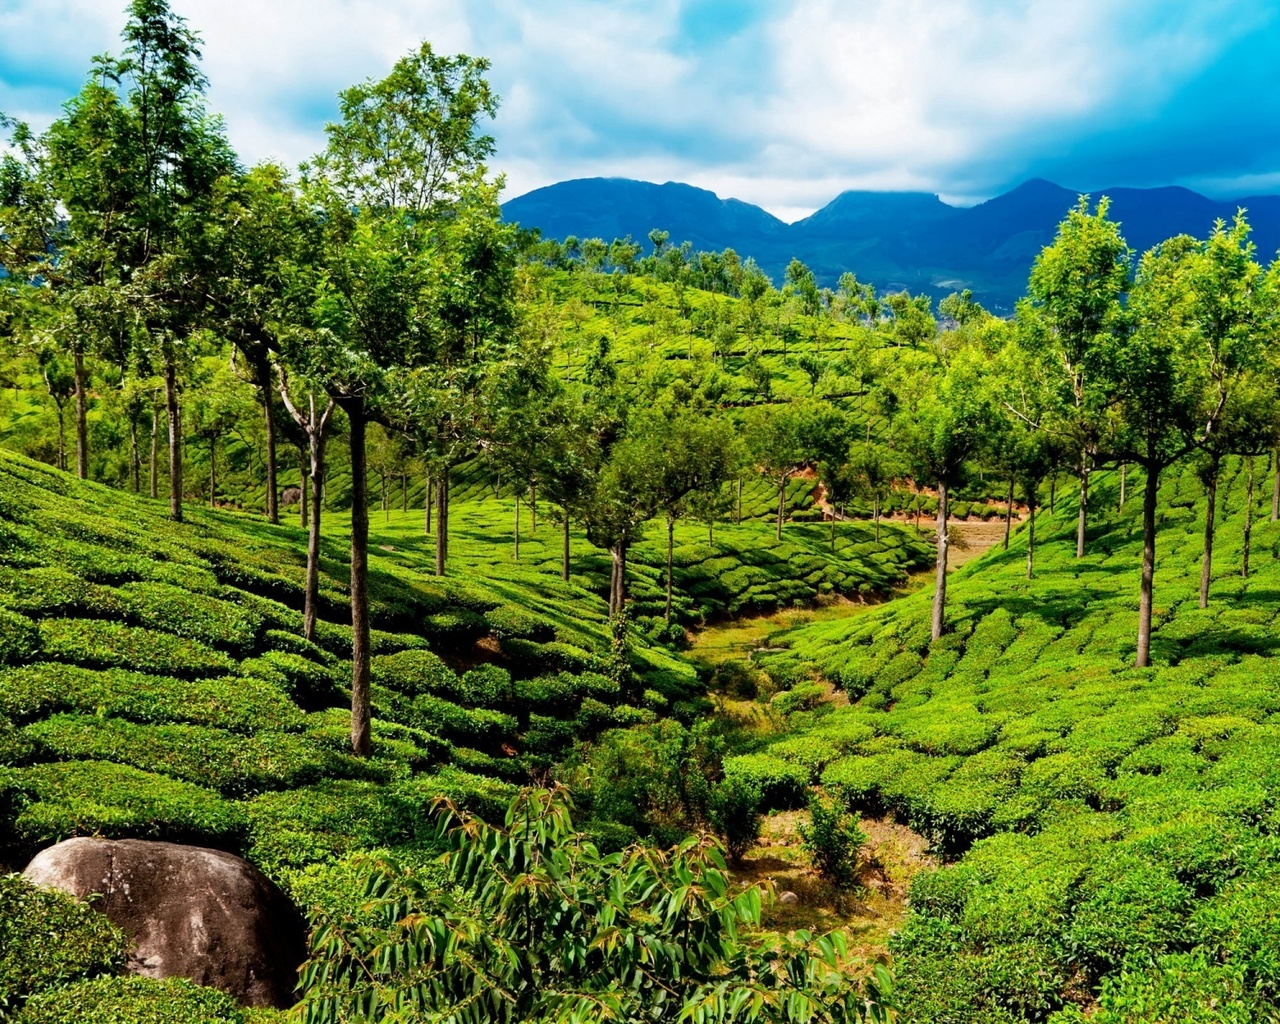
point(788, 897)
point(290, 496)
point(189, 913)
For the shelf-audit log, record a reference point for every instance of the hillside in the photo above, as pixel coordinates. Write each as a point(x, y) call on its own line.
point(1112, 828)
point(893, 240)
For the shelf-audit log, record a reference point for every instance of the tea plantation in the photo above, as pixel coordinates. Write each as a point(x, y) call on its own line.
point(1115, 833)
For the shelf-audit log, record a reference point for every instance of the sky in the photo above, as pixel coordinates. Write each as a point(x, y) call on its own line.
point(783, 103)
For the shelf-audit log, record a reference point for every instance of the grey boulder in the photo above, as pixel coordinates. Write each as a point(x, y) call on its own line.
point(188, 912)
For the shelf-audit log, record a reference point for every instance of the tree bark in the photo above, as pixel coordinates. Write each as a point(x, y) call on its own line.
point(1148, 565)
point(782, 503)
point(62, 437)
point(671, 544)
point(213, 473)
point(1084, 505)
point(533, 508)
point(1008, 515)
point(1031, 537)
point(360, 695)
point(833, 531)
point(174, 414)
point(442, 522)
point(516, 531)
point(1211, 504)
point(82, 419)
point(940, 589)
point(875, 515)
point(135, 461)
point(1275, 488)
point(153, 472)
point(1124, 481)
point(426, 507)
point(1248, 519)
point(564, 560)
point(1053, 491)
point(273, 492)
point(738, 517)
point(316, 446)
point(304, 485)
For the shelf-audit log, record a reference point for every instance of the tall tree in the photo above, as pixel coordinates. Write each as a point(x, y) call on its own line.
point(1077, 289)
point(403, 161)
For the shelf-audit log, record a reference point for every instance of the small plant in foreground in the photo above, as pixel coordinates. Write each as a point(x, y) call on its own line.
point(832, 840)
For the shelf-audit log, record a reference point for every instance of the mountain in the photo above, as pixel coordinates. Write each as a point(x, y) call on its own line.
point(893, 239)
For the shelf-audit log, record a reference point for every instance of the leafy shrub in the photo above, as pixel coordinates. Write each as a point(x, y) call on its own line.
point(49, 939)
point(832, 839)
point(734, 810)
point(98, 644)
point(307, 684)
point(486, 686)
point(19, 638)
point(804, 697)
point(171, 609)
point(239, 705)
point(511, 622)
point(137, 1000)
point(74, 798)
point(782, 784)
point(414, 672)
point(680, 908)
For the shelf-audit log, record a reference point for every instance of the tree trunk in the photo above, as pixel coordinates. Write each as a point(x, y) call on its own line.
point(1053, 491)
point(153, 472)
point(1275, 488)
point(738, 516)
point(615, 564)
point(82, 420)
point(174, 414)
point(1148, 565)
point(1008, 515)
point(1248, 519)
point(273, 490)
point(533, 508)
point(1124, 482)
point(516, 533)
point(1031, 537)
point(427, 502)
point(360, 696)
point(564, 559)
point(1084, 505)
point(940, 589)
point(315, 481)
point(782, 503)
point(1211, 505)
point(833, 531)
point(671, 544)
point(135, 461)
point(442, 524)
point(875, 516)
point(213, 472)
point(711, 533)
point(404, 492)
point(62, 438)
point(304, 485)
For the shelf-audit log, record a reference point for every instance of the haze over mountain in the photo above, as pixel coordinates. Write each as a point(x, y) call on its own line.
point(894, 240)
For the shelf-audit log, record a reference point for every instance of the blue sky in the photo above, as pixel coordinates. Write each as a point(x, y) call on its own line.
point(782, 103)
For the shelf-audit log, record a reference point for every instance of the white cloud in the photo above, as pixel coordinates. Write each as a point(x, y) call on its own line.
point(813, 97)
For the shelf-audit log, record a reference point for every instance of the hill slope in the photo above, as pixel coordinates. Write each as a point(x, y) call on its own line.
point(894, 240)
point(1118, 827)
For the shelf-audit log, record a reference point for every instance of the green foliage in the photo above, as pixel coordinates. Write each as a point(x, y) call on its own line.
point(136, 1000)
point(832, 839)
point(98, 644)
point(47, 940)
point(782, 784)
point(734, 810)
point(553, 948)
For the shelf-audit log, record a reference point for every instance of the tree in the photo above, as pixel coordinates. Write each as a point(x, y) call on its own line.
point(784, 440)
point(405, 158)
point(943, 431)
point(1077, 289)
point(545, 927)
point(1192, 341)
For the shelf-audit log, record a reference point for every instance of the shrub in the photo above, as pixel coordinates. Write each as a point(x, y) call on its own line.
point(74, 798)
point(171, 609)
point(307, 684)
point(99, 644)
point(510, 622)
point(48, 939)
point(239, 705)
point(486, 686)
point(782, 783)
point(832, 840)
point(804, 697)
point(136, 1000)
point(413, 673)
point(19, 638)
point(734, 810)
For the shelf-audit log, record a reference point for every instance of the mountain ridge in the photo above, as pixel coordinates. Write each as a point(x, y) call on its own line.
point(894, 240)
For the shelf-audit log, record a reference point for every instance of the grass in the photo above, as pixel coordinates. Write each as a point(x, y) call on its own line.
point(1114, 827)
